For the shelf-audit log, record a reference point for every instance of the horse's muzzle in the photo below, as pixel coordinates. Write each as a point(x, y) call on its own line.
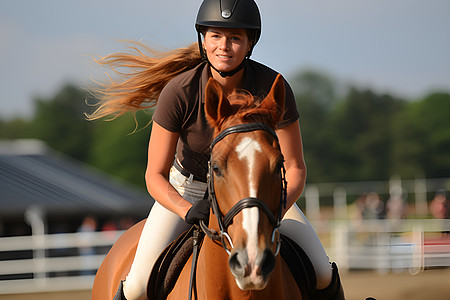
point(251, 274)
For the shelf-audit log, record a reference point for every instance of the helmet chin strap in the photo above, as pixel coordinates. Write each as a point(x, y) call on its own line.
point(232, 72)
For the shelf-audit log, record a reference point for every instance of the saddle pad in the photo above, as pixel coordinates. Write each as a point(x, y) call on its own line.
point(300, 265)
point(168, 267)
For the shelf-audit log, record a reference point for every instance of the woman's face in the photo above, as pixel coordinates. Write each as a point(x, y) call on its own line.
point(226, 48)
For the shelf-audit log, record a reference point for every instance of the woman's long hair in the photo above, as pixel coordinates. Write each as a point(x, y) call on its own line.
point(141, 77)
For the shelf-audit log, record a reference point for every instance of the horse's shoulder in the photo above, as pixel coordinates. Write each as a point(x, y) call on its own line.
point(117, 263)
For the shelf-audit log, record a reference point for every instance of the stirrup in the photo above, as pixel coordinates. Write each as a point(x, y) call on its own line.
point(334, 291)
point(119, 294)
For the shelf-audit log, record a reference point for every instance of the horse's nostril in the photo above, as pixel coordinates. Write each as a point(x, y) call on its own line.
point(236, 267)
point(267, 263)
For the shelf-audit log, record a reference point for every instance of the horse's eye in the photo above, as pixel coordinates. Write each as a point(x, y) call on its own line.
point(217, 170)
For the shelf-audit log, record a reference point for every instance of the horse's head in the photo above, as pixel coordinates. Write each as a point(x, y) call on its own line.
point(247, 184)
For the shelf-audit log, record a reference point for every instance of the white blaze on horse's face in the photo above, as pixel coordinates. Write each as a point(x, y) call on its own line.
point(247, 150)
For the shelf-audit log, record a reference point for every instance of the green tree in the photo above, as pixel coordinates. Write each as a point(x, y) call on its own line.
point(315, 94)
point(360, 135)
point(60, 122)
point(422, 138)
point(17, 128)
point(120, 146)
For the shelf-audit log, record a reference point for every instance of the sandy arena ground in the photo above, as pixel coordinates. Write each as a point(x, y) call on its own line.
point(430, 284)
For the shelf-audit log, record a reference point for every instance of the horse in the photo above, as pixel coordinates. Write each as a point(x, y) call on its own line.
point(247, 190)
point(239, 258)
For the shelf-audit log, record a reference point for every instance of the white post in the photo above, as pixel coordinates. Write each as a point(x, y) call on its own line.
point(312, 204)
point(395, 187)
point(340, 203)
point(34, 217)
point(340, 245)
point(420, 190)
point(418, 255)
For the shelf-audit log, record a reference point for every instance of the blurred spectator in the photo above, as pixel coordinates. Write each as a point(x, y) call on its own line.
point(109, 229)
point(439, 206)
point(374, 207)
point(356, 210)
point(88, 225)
point(396, 207)
point(109, 226)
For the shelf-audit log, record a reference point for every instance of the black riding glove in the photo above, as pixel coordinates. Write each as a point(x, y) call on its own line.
point(199, 211)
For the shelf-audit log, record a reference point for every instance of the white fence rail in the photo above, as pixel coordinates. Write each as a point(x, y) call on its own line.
point(50, 259)
point(383, 245)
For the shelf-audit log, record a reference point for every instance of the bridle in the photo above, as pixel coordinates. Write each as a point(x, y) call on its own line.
point(225, 221)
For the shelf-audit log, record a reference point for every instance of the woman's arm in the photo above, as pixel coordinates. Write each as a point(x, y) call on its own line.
point(161, 151)
point(292, 150)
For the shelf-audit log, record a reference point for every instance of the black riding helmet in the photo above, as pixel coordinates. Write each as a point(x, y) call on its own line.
point(240, 14)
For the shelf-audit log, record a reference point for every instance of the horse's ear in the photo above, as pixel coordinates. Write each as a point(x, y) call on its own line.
point(217, 107)
point(274, 101)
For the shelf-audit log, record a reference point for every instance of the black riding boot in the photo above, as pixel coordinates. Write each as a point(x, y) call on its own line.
point(334, 291)
point(119, 294)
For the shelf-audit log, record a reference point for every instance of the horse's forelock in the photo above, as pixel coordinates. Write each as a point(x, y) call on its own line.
point(248, 108)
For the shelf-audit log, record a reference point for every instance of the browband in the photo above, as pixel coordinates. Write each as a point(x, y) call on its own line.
point(243, 128)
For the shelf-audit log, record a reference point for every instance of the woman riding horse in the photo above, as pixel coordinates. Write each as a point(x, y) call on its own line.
point(178, 151)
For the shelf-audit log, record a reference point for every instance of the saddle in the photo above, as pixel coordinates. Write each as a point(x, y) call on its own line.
point(172, 260)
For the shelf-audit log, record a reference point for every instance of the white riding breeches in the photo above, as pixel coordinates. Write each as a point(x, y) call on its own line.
point(163, 226)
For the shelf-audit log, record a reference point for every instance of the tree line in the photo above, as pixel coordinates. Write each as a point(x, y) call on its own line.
point(348, 134)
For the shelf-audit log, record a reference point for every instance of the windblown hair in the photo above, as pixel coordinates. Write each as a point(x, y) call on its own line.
point(141, 77)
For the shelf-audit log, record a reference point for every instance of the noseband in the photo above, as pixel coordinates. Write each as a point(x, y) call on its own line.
point(227, 220)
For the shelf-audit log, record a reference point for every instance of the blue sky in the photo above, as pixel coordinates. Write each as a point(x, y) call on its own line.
point(396, 46)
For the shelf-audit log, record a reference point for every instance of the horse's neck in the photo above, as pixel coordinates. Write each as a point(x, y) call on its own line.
point(214, 277)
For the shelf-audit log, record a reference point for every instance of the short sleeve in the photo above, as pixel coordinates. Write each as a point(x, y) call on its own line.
point(169, 112)
point(290, 108)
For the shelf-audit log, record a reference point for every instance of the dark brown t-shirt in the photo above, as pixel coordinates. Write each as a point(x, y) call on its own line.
point(180, 109)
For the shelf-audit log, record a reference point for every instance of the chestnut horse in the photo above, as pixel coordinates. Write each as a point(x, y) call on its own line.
point(247, 190)
point(240, 259)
